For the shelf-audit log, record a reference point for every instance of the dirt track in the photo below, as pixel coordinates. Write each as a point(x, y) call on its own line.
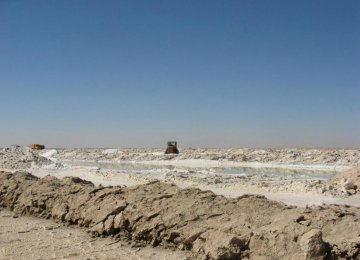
point(210, 226)
point(26, 238)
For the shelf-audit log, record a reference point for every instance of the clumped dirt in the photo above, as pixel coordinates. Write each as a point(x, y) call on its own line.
point(209, 226)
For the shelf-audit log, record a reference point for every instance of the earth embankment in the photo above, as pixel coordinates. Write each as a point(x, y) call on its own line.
point(208, 225)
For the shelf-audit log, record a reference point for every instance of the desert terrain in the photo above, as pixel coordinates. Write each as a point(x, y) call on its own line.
point(200, 204)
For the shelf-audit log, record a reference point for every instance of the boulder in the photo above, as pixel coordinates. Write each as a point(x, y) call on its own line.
point(312, 244)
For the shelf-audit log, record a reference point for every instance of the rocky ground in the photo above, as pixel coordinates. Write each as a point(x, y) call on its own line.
point(342, 157)
point(348, 181)
point(173, 213)
point(207, 225)
point(256, 183)
point(17, 158)
point(289, 162)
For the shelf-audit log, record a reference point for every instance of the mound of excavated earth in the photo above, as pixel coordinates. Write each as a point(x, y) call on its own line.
point(210, 226)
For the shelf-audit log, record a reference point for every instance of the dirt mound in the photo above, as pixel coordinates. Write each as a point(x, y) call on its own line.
point(19, 158)
point(211, 226)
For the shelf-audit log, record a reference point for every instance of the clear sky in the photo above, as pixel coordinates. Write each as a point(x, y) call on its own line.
point(204, 73)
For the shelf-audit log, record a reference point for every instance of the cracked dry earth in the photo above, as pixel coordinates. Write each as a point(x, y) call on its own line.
point(199, 222)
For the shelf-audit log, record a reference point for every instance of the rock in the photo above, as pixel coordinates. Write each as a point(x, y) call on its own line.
point(119, 221)
point(346, 250)
point(352, 192)
point(347, 184)
point(312, 244)
point(321, 189)
point(108, 224)
point(347, 180)
point(216, 181)
point(345, 191)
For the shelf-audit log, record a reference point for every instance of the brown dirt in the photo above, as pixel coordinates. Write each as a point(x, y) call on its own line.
point(210, 226)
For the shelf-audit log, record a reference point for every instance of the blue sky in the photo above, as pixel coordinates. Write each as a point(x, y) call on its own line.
point(205, 73)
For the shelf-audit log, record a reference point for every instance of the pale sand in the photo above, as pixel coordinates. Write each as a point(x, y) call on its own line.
point(35, 238)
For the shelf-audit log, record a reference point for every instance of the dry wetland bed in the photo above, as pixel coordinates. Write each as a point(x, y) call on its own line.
point(200, 204)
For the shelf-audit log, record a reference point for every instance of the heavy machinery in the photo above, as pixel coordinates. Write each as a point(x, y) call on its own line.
point(172, 148)
point(36, 146)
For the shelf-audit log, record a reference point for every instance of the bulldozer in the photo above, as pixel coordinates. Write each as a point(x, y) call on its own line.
point(172, 148)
